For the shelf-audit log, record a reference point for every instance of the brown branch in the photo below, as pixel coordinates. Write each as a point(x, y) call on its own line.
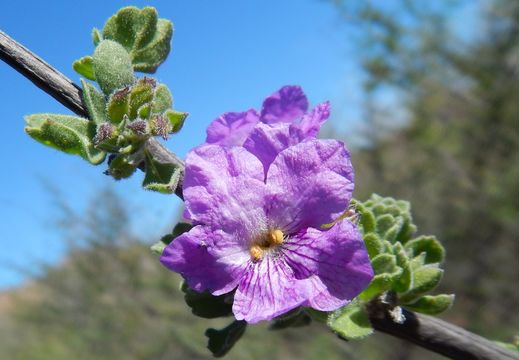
point(66, 92)
point(437, 335)
point(426, 331)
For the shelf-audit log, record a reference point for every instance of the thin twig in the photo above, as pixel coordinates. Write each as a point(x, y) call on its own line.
point(66, 92)
point(426, 331)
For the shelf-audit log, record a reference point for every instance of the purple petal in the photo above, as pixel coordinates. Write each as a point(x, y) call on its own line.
point(266, 291)
point(231, 128)
point(267, 141)
point(334, 265)
point(224, 188)
point(208, 260)
point(311, 123)
point(309, 184)
point(285, 105)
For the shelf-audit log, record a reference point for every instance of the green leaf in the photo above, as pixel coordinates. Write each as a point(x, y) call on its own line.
point(140, 94)
point(221, 341)
point(160, 177)
point(158, 248)
point(384, 263)
point(206, 305)
point(425, 279)
point(367, 220)
point(379, 284)
point(85, 67)
point(121, 168)
point(351, 322)
point(403, 283)
point(373, 245)
point(146, 38)
point(118, 105)
point(432, 304)
point(384, 222)
point(392, 233)
point(297, 318)
point(434, 251)
point(176, 119)
point(70, 134)
point(112, 66)
point(162, 100)
point(94, 102)
point(96, 36)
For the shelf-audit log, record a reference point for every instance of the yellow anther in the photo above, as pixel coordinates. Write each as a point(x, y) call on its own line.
point(275, 237)
point(256, 252)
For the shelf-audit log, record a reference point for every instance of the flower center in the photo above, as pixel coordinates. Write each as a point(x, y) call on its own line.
point(271, 240)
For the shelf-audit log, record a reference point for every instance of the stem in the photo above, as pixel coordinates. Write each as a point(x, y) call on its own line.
point(437, 335)
point(425, 331)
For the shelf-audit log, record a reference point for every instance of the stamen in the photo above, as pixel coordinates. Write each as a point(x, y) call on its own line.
point(275, 237)
point(256, 252)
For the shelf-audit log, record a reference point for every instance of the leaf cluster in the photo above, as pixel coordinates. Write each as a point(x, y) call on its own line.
point(128, 110)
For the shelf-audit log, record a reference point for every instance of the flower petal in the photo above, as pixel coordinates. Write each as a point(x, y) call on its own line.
point(224, 188)
point(208, 260)
point(267, 141)
point(309, 184)
point(333, 265)
point(231, 128)
point(285, 105)
point(266, 291)
point(310, 123)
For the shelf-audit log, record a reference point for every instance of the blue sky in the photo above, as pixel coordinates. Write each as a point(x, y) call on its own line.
point(227, 55)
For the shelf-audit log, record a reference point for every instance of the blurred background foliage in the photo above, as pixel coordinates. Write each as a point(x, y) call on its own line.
point(440, 129)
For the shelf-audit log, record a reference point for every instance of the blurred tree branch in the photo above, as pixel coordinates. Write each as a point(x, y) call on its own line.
point(426, 331)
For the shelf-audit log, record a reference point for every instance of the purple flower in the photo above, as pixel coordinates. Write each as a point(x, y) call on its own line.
point(287, 106)
point(258, 211)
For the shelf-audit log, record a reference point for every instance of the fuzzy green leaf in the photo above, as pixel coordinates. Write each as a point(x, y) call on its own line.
point(96, 36)
point(118, 105)
point(384, 263)
point(160, 177)
point(367, 220)
point(404, 282)
point(432, 304)
point(146, 38)
point(379, 284)
point(121, 168)
point(351, 322)
point(373, 245)
point(70, 134)
point(176, 119)
point(112, 66)
point(85, 67)
point(434, 251)
point(140, 94)
point(221, 341)
point(94, 102)
point(162, 100)
point(425, 279)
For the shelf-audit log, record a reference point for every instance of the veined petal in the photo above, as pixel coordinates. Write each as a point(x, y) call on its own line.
point(208, 260)
point(311, 122)
point(266, 291)
point(224, 188)
point(231, 128)
point(267, 141)
point(333, 265)
point(309, 184)
point(285, 105)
